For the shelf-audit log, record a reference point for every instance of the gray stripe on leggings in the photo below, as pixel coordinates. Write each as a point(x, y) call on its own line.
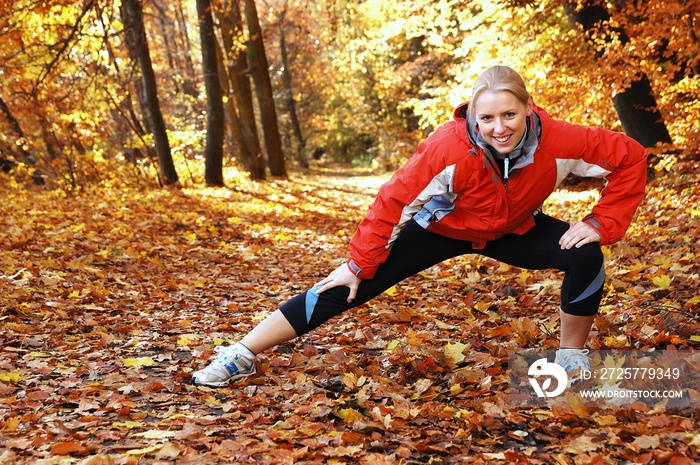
point(593, 287)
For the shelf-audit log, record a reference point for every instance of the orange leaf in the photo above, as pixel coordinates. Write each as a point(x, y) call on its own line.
point(469, 299)
point(154, 386)
point(38, 395)
point(68, 448)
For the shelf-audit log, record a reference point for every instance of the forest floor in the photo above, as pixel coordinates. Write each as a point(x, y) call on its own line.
point(111, 299)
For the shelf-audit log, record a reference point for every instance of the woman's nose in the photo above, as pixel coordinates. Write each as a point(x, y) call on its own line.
point(498, 125)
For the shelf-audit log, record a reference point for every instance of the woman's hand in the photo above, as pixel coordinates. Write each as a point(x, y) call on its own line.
point(579, 234)
point(341, 276)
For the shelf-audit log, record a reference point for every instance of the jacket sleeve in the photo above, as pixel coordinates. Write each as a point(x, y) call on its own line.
point(622, 162)
point(424, 176)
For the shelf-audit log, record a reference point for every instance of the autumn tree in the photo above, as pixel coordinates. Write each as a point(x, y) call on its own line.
point(301, 70)
point(215, 109)
point(634, 102)
point(288, 91)
point(229, 103)
point(19, 139)
point(391, 66)
point(137, 44)
point(669, 56)
point(263, 89)
point(173, 31)
point(232, 35)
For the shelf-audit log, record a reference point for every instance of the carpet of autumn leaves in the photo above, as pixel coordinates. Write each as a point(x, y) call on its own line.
point(110, 299)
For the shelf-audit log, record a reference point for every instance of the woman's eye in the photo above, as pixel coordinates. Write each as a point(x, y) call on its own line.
point(485, 119)
point(510, 115)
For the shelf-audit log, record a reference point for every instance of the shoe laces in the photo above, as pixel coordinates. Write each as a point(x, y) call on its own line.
point(572, 359)
point(230, 359)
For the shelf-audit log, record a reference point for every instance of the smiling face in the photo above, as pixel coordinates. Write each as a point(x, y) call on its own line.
point(501, 118)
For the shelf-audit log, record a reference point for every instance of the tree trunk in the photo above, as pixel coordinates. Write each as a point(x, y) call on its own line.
point(229, 106)
point(135, 32)
point(635, 106)
point(639, 115)
point(21, 142)
point(189, 85)
point(243, 126)
point(289, 97)
point(263, 90)
point(214, 153)
point(251, 153)
point(165, 28)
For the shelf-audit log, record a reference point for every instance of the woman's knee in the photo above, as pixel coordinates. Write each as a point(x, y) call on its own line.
point(584, 281)
point(587, 258)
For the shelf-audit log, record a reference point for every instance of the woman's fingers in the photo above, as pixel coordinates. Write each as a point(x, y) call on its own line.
point(578, 235)
point(353, 293)
point(341, 276)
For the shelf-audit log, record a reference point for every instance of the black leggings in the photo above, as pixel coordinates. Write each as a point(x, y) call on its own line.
point(417, 249)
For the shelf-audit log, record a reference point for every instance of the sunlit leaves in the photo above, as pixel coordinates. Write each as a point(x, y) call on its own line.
point(662, 281)
point(155, 434)
point(11, 377)
point(139, 362)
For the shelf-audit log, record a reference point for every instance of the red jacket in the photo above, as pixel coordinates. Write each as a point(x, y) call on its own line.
point(452, 186)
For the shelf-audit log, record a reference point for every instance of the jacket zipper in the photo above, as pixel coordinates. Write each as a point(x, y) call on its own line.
point(494, 167)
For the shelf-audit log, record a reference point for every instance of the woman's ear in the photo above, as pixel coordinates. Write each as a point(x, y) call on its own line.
point(529, 106)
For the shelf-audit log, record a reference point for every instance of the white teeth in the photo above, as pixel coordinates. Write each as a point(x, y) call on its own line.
point(502, 139)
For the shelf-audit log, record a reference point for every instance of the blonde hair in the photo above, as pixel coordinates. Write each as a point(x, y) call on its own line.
point(496, 79)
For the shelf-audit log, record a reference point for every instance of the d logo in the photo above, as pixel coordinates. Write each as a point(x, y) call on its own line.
point(542, 367)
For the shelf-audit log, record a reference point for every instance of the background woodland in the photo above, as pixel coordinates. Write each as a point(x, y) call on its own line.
point(158, 93)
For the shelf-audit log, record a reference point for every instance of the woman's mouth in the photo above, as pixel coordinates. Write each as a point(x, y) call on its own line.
point(502, 139)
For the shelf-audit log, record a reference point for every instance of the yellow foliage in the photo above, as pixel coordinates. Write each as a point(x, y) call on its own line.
point(454, 351)
point(129, 424)
point(139, 362)
point(348, 415)
point(11, 377)
point(662, 281)
point(391, 292)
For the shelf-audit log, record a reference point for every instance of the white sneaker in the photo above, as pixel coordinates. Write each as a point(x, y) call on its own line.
point(231, 363)
point(573, 359)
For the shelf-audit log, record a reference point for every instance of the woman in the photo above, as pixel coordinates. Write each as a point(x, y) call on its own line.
point(476, 185)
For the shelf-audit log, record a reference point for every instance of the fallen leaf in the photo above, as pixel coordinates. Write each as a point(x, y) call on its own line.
point(100, 459)
point(139, 362)
point(582, 444)
point(11, 377)
point(349, 415)
point(145, 450)
point(647, 442)
point(606, 420)
point(68, 448)
point(169, 451)
point(455, 351)
point(11, 425)
point(156, 434)
point(662, 281)
point(128, 424)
